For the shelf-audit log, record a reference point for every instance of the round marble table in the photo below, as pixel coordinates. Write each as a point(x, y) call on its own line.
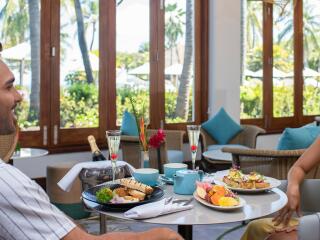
point(29, 153)
point(257, 205)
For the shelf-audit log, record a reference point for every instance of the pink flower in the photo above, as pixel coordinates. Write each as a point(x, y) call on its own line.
point(157, 139)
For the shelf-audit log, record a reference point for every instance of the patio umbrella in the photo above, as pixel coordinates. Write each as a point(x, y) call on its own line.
point(19, 52)
point(308, 72)
point(175, 69)
point(141, 70)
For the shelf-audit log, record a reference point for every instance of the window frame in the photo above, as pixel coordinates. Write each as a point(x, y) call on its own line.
point(270, 123)
point(50, 135)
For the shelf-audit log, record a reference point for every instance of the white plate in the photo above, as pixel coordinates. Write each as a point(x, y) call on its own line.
point(204, 202)
point(218, 178)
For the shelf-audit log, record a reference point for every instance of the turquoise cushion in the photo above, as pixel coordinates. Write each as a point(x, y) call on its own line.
point(129, 124)
point(221, 127)
point(298, 138)
point(74, 210)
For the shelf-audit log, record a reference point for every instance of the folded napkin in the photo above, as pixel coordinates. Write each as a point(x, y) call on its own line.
point(66, 182)
point(155, 209)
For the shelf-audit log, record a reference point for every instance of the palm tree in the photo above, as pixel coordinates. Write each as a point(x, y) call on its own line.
point(173, 28)
point(34, 27)
point(311, 28)
point(182, 106)
point(82, 41)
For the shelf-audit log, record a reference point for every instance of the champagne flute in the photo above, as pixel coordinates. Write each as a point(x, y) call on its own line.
point(193, 134)
point(113, 137)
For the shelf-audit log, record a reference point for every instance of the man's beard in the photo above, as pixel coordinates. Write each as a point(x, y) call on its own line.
point(6, 127)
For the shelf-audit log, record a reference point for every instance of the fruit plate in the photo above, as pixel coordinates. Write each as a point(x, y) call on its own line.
point(218, 179)
point(221, 208)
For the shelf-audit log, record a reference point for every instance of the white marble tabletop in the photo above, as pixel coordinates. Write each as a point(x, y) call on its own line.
point(218, 155)
point(257, 205)
point(29, 153)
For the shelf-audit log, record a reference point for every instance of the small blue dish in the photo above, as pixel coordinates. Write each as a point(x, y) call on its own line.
point(166, 180)
point(148, 176)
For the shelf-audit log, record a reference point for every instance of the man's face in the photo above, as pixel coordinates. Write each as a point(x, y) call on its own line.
point(9, 97)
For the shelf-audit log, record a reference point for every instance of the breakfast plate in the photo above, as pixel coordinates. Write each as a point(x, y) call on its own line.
point(242, 202)
point(90, 194)
point(273, 183)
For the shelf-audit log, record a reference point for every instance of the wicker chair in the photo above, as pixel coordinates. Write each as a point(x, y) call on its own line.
point(272, 163)
point(131, 148)
point(247, 137)
point(8, 145)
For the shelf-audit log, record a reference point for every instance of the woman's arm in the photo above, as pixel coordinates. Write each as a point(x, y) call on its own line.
point(302, 166)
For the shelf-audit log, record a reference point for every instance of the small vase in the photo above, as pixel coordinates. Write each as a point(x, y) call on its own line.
point(145, 159)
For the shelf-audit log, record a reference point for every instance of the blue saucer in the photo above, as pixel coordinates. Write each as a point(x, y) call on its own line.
point(166, 179)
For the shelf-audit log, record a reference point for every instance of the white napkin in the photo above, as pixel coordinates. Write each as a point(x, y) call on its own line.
point(155, 209)
point(66, 182)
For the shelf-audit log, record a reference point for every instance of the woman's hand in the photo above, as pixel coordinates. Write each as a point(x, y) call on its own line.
point(293, 205)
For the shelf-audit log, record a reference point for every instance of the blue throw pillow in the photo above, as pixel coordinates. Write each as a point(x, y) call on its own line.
point(298, 138)
point(129, 124)
point(221, 127)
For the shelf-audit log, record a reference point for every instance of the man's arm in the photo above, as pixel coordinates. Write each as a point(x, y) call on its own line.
point(153, 234)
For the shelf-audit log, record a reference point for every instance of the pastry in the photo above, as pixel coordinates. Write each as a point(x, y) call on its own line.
point(133, 184)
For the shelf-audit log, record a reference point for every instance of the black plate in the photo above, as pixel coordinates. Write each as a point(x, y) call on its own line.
point(90, 194)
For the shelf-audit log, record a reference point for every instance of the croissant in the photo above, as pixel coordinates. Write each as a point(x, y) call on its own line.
point(133, 184)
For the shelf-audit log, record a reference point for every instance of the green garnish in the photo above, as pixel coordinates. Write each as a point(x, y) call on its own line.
point(104, 195)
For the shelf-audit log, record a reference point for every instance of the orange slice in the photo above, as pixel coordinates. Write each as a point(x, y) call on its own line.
point(215, 198)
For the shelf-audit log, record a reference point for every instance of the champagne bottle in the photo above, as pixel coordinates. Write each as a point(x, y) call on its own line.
point(96, 153)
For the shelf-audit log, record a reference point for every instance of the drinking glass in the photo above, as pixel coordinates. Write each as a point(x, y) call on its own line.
point(193, 134)
point(113, 137)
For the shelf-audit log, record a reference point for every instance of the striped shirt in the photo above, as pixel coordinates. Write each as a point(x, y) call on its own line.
point(26, 211)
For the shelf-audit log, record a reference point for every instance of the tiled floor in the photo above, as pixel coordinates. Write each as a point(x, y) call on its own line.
point(205, 232)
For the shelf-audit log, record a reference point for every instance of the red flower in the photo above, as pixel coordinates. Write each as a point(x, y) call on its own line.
point(157, 139)
point(193, 148)
point(114, 156)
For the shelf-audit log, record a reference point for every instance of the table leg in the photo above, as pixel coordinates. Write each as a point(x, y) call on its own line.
point(102, 219)
point(185, 231)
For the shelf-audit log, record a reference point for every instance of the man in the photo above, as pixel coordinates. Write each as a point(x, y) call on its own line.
point(25, 209)
point(283, 226)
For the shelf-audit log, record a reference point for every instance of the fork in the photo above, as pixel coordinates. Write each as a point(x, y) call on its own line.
point(168, 200)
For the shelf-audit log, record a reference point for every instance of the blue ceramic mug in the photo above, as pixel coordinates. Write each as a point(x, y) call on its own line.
point(170, 169)
point(148, 176)
point(184, 181)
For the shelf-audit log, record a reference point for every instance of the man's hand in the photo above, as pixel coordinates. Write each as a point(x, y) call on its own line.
point(160, 234)
point(293, 205)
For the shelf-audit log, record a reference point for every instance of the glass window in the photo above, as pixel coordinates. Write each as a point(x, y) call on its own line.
point(179, 61)
point(311, 47)
point(283, 61)
point(20, 36)
point(79, 64)
point(251, 94)
point(132, 59)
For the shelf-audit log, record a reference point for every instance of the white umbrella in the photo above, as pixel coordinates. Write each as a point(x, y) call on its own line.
point(276, 73)
point(308, 72)
point(141, 70)
point(18, 52)
point(250, 73)
point(175, 69)
point(75, 63)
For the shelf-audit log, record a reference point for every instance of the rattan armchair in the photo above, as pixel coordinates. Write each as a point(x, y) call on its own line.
point(131, 148)
point(247, 137)
point(273, 163)
point(8, 145)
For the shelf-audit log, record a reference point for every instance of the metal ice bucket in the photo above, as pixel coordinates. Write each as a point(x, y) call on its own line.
point(91, 177)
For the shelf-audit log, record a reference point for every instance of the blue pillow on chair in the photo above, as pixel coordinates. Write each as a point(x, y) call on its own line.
point(129, 124)
point(298, 138)
point(221, 127)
